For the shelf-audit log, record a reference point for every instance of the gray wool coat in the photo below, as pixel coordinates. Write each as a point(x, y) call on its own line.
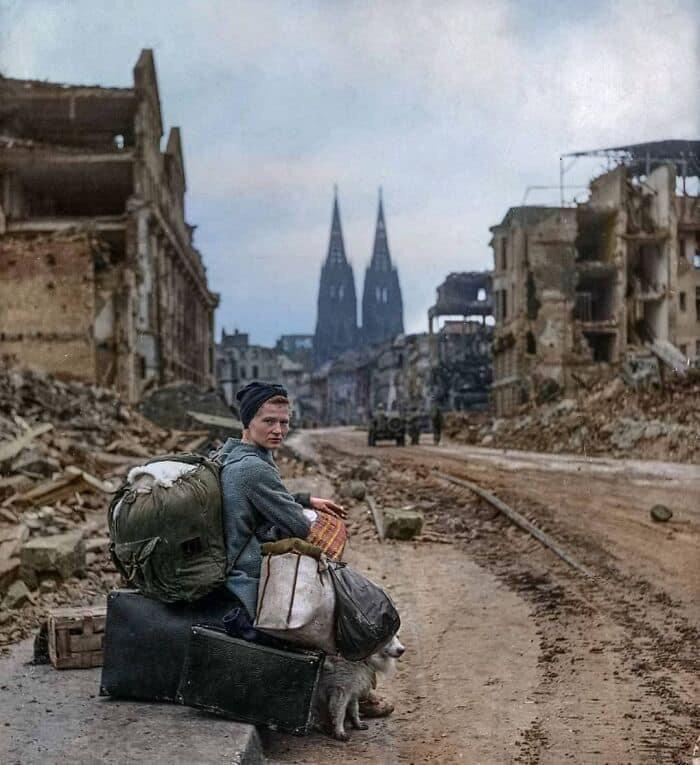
point(256, 508)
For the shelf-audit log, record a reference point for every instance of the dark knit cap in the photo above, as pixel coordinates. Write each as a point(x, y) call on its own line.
point(254, 395)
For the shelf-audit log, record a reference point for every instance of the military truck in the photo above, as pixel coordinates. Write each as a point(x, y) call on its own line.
point(387, 427)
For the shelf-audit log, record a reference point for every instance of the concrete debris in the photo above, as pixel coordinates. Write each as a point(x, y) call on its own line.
point(367, 469)
point(83, 439)
point(186, 407)
point(609, 418)
point(17, 595)
point(62, 555)
point(355, 489)
point(402, 523)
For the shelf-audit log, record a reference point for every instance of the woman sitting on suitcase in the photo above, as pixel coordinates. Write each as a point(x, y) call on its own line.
point(256, 506)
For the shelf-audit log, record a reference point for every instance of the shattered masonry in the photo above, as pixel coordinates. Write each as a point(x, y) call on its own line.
point(99, 277)
point(577, 291)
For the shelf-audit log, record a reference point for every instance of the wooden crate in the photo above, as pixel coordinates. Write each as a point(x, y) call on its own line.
point(76, 636)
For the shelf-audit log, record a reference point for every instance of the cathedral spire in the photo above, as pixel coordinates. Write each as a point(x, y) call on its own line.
point(336, 245)
point(382, 304)
point(381, 259)
point(336, 322)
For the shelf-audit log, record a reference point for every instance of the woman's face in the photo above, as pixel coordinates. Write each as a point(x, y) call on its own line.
point(270, 425)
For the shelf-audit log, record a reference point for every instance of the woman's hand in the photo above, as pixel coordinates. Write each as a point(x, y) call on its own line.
point(328, 506)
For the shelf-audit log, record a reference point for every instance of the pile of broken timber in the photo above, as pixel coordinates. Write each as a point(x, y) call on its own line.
point(64, 448)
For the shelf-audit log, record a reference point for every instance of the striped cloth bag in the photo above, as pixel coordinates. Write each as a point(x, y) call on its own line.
point(328, 533)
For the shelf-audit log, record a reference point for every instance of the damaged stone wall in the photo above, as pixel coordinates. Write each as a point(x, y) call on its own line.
point(47, 303)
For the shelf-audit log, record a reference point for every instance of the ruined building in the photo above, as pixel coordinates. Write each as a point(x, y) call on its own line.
point(336, 323)
point(580, 290)
point(461, 348)
point(99, 276)
point(382, 305)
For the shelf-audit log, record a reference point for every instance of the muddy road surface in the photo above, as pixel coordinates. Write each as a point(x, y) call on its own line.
point(512, 655)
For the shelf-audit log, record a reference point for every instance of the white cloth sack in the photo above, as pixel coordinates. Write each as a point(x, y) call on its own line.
point(296, 601)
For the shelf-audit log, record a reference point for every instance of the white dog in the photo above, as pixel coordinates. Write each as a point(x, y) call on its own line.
point(344, 683)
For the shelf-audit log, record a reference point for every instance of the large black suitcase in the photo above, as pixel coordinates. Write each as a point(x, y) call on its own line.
point(146, 642)
point(249, 682)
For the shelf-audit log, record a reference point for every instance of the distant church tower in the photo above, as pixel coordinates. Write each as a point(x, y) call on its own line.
point(336, 323)
point(382, 305)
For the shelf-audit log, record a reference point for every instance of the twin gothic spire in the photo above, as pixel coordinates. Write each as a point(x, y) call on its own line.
point(382, 305)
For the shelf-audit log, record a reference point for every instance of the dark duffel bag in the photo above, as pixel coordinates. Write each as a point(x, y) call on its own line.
point(250, 682)
point(366, 618)
point(146, 642)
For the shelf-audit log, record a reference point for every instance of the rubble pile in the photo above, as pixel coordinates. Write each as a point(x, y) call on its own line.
point(609, 419)
point(64, 447)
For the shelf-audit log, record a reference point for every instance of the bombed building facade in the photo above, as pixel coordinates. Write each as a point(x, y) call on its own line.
point(578, 291)
point(99, 276)
point(461, 348)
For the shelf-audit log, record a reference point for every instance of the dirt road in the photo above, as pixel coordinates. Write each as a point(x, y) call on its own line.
point(513, 656)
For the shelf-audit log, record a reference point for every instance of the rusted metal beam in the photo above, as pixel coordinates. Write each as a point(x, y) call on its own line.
point(377, 516)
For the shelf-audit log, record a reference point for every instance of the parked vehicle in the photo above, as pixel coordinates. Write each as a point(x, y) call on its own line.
point(387, 427)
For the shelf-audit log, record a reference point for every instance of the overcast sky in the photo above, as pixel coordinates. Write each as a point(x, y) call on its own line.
point(455, 108)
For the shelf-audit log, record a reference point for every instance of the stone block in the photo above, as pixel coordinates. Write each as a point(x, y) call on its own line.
point(402, 524)
point(368, 469)
point(17, 595)
point(61, 555)
point(354, 489)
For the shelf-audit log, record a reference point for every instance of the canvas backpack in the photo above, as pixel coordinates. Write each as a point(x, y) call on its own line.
point(168, 542)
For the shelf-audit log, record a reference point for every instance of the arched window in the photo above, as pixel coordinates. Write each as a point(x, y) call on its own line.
point(385, 294)
point(378, 293)
point(341, 292)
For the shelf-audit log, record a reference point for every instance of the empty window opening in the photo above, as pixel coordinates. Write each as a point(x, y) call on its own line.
point(504, 254)
point(242, 373)
point(683, 348)
point(595, 297)
point(481, 295)
point(681, 301)
point(255, 370)
point(595, 235)
point(602, 346)
point(119, 141)
point(697, 303)
point(649, 268)
point(696, 259)
point(531, 344)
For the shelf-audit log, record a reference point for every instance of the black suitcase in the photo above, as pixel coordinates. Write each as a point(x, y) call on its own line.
point(146, 642)
point(249, 682)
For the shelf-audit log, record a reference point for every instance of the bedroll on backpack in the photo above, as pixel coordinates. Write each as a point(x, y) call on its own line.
point(168, 540)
